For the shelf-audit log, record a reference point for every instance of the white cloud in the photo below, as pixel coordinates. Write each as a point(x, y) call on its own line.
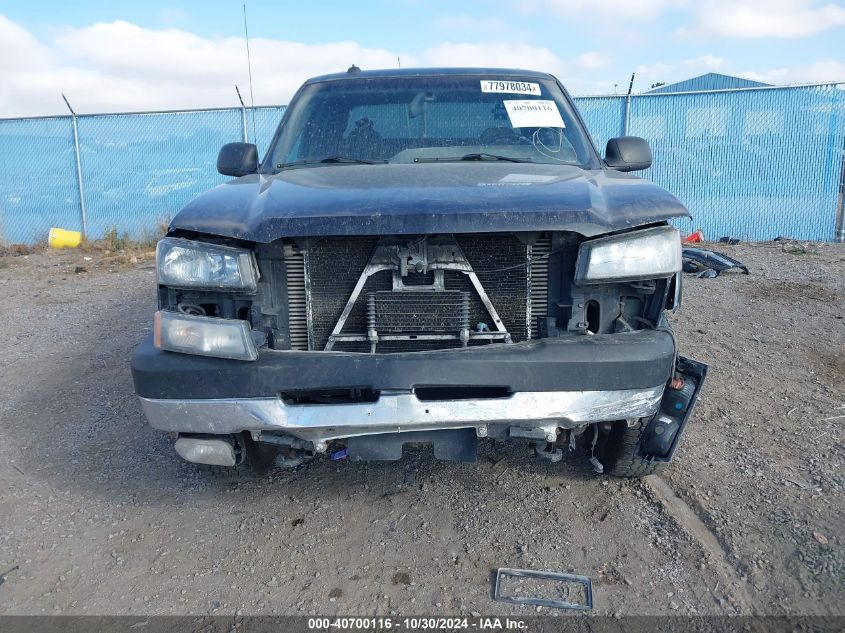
point(599, 10)
point(671, 72)
point(119, 66)
point(494, 55)
point(719, 18)
point(592, 60)
point(18, 47)
point(765, 18)
point(817, 72)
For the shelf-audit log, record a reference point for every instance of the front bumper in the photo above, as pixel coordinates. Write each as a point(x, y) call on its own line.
point(604, 362)
point(553, 383)
point(536, 414)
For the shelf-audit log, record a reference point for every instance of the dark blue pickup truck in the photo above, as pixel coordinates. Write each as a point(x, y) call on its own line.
point(422, 256)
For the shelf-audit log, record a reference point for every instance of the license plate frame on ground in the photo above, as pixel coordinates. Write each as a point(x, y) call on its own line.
point(583, 581)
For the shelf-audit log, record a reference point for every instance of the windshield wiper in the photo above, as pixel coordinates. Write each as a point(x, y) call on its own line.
point(331, 160)
point(472, 156)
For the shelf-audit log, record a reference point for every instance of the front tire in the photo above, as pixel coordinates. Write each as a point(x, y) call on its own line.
point(619, 452)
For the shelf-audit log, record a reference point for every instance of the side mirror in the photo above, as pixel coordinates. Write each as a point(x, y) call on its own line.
point(627, 153)
point(237, 159)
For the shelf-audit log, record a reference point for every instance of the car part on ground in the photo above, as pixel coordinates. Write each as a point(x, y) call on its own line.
point(7, 572)
point(697, 260)
point(694, 238)
point(582, 585)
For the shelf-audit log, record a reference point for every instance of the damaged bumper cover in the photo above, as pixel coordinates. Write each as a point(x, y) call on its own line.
point(539, 412)
point(548, 384)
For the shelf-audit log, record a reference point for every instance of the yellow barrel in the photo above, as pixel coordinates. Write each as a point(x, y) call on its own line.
point(60, 238)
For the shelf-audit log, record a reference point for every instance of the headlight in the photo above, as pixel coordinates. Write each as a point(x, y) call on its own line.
point(188, 264)
point(645, 254)
point(206, 336)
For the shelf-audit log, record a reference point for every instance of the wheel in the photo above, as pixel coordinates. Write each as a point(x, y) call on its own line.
point(226, 474)
point(619, 451)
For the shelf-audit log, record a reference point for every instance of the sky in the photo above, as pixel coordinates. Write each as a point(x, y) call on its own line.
point(169, 54)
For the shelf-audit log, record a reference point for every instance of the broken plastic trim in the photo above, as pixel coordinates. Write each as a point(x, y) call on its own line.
point(584, 581)
point(697, 258)
point(698, 371)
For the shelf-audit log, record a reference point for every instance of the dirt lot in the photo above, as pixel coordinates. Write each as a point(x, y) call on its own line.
point(99, 516)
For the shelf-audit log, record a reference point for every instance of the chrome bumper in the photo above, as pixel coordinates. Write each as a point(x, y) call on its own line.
point(540, 411)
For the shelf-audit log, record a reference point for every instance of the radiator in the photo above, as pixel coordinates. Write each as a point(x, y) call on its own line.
point(321, 280)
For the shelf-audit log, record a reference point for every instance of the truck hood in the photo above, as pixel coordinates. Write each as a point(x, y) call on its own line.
point(468, 197)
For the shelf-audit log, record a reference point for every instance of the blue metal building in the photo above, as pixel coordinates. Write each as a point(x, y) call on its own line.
point(709, 81)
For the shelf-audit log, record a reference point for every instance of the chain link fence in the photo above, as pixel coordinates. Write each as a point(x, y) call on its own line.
point(754, 164)
point(750, 163)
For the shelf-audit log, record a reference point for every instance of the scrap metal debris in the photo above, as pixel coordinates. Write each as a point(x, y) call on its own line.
point(709, 263)
point(577, 590)
point(6, 573)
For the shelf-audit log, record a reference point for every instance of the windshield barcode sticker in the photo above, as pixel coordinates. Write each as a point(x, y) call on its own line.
point(533, 113)
point(512, 87)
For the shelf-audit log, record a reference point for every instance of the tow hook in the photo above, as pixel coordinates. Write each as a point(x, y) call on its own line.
point(549, 452)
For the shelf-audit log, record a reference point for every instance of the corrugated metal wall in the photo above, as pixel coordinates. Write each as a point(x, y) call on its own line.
point(708, 81)
point(753, 164)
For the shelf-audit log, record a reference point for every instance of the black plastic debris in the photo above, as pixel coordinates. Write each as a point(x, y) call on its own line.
point(6, 573)
point(709, 263)
point(707, 273)
point(573, 592)
point(733, 241)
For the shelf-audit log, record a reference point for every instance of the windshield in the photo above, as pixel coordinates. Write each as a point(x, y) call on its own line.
point(429, 119)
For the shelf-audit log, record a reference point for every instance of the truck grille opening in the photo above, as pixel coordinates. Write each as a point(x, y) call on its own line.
point(538, 282)
point(298, 322)
point(419, 315)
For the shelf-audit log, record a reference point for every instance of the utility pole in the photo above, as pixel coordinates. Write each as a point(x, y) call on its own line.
point(625, 121)
point(243, 115)
point(82, 209)
point(839, 235)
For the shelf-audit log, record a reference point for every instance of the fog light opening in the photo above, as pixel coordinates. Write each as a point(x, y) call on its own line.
point(592, 315)
point(211, 452)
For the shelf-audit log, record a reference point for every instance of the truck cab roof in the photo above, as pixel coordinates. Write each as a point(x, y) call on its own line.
point(429, 72)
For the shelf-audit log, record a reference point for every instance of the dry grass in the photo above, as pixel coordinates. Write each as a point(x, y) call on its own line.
point(115, 242)
point(113, 250)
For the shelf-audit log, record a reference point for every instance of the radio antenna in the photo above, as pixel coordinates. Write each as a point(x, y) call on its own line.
point(249, 68)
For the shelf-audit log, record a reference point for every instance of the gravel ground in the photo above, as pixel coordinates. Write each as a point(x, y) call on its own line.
point(99, 516)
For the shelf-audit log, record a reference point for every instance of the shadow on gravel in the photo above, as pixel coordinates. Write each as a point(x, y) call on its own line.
point(77, 421)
